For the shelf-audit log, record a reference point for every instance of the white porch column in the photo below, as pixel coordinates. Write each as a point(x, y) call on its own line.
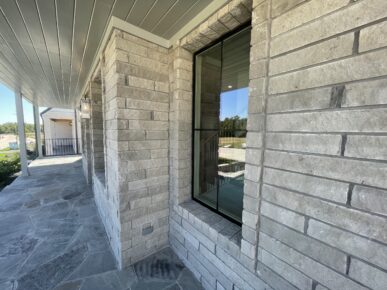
point(22, 136)
point(37, 130)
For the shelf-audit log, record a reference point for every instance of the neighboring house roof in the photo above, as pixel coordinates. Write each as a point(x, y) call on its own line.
point(45, 111)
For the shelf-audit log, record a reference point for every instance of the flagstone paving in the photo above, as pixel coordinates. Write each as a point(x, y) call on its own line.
point(51, 237)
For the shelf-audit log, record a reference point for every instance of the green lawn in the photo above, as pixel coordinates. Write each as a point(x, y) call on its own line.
point(232, 142)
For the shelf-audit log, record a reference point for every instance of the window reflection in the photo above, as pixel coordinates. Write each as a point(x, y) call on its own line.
point(220, 112)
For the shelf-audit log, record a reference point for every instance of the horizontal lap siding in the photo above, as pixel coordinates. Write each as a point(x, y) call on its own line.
point(324, 195)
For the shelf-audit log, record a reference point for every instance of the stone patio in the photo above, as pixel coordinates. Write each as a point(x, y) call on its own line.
point(51, 237)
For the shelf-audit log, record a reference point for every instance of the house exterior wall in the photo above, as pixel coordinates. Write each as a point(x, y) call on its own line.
point(59, 128)
point(96, 122)
point(86, 149)
point(62, 129)
point(315, 210)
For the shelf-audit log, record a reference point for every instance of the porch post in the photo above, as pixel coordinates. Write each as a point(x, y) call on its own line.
point(22, 136)
point(37, 130)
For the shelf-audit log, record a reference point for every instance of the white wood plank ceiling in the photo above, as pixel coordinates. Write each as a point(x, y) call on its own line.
point(47, 47)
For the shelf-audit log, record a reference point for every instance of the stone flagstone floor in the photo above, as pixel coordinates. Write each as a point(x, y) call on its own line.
point(51, 237)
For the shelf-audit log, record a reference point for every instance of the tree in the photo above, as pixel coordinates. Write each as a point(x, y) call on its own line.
point(229, 126)
point(11, 128)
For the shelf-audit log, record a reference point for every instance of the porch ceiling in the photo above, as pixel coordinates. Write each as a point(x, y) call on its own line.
point(47, 47)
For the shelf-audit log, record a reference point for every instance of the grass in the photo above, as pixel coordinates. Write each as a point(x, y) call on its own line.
point(7, 154)
point(30, 135)
point(232, 142)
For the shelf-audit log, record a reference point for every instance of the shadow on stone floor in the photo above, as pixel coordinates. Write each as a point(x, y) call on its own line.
point(51, 237)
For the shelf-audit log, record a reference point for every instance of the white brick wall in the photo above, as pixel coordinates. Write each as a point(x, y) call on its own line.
point(314, 107)
point(315, 191)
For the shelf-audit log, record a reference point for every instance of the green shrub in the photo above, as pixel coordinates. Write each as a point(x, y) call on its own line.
point(9, 166)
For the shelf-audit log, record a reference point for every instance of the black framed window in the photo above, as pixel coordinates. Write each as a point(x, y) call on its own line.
point(221, 80)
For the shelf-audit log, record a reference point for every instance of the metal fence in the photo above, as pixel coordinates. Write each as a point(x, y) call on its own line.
point(60, 146)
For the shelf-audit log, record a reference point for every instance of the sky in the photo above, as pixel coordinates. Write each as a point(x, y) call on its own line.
point(8, 107)
point(234, 103)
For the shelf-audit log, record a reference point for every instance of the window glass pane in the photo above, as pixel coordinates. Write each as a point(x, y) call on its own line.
point(233, 121)
point(206, 166)
point(220, 112)
point(207, 88)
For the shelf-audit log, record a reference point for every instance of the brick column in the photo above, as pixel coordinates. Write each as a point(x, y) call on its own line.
point(137, 105)
point(86, 150)
point(181, 125)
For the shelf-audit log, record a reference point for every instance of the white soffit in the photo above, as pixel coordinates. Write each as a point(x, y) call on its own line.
point(49, 49)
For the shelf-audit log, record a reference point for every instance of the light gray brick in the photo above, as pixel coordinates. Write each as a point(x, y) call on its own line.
point(311, 143)
point(252, 172)
point(239, 11)
point(310, 247)
point(253, 156)
point(250, 250)
point(368, 275)
point(370, 199)
point(319, 187)
point(343, 217)
point(260, 13)
point(366, 120)
point(373, 37)
point(207, 258)
point(248, 277)
point(226, 18)
point(202, 270)
point(254, 139)
point(369, 147)
point(331, 49)
point(283, 216)
point(309, 267)
point(356, 171)
point(345, 70)
point(298, 101)
point(284, 270)
point(272, 278)
point(249, 234)
point(250, 219)
point(201, 237)
point(257, 87)
point(251, 188)
point(281, 6)
point(337, 22)
point(304, 13)
point(353, 244)
point(365, 93)
point(250, 203)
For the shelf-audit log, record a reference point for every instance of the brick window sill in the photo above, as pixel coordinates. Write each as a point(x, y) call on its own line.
point(219, 230)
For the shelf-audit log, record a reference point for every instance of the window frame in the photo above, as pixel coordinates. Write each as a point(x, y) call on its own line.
point(212, 44)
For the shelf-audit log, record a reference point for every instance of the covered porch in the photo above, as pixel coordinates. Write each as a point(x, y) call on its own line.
point(51, 237)
point(248, 136)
